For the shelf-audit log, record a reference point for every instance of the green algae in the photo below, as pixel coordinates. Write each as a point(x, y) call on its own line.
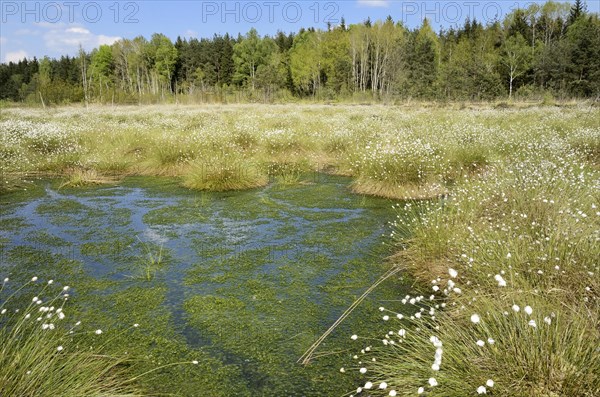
point(246, 282)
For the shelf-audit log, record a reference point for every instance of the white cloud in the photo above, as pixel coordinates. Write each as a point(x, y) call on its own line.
point(78, 30)
point(373, 3)
point(67, 39)
point(15, 56)
point(190, 33)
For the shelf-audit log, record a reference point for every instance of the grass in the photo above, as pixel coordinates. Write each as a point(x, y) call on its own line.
point(151, 261)
point(224, 173)
point(42, 352)
point(79, 177)
point(399, 152)
point(522, 245)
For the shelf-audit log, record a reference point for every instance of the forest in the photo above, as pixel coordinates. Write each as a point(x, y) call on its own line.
point(540, 52)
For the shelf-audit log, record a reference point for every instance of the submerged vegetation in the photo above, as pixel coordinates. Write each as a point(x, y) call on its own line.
point(503, 251)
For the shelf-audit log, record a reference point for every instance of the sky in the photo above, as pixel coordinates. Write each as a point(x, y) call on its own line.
point(55, 28)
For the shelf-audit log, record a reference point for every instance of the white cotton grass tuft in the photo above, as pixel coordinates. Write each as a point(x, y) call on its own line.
point(532, 323)
point(481, 390)
point(528, 310)
point(475, 319)
point(500, 280)
point(453, 273)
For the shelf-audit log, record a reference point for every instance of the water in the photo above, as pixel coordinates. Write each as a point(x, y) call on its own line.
point(245, 280)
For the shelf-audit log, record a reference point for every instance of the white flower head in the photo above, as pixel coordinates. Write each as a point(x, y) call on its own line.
point(432, 382)
point(392, 393)
point(516, 308)
point(421, 390)
point(195, 362)
point(500, 280)
point(489, 383)
point(481, 390)
point(453, 273)
point(383, 385)
point(368, 385)
point(528, 310)
point(475, 318)
point(59, 348)
point(363, 370)
point(354, 337)
point(98, 331)
point(34, 279)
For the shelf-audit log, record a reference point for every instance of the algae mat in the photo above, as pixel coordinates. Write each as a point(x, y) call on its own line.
point(243, 282)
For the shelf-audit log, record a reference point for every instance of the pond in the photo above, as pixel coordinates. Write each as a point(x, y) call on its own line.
point(244, 282)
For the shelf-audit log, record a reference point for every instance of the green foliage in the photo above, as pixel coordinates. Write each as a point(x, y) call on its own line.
point(549, 47)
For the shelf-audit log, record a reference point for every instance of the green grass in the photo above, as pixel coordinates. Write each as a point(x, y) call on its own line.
point(224, 173)
point(44, 358)
point(531, 225)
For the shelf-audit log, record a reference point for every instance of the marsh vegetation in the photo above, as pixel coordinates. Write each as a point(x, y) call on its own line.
point(235, 235)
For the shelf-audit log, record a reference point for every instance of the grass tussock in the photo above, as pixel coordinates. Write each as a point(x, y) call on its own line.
point(41, 354)
point(223, 174)
point(79, 178)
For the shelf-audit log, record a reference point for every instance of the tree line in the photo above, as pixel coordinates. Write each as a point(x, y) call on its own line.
point(550, 49)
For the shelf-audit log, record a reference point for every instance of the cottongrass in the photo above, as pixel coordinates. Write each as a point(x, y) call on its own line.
point(509, 290)
point(414, 153)
point(40, 354)
point(45, 353)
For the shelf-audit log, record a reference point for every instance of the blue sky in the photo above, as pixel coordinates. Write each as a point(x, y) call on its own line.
point(54, 28)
